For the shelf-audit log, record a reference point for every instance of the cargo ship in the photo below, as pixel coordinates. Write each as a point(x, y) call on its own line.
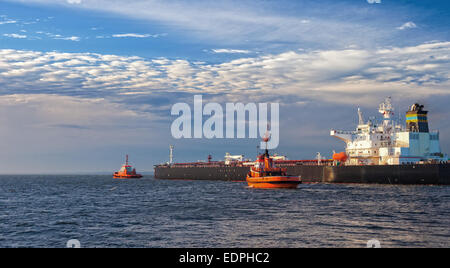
point(382, 153)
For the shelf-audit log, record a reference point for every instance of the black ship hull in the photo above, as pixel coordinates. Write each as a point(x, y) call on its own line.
point(431, 174)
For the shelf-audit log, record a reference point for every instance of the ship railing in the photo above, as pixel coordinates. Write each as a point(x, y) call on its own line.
point(344, 132)
point(278, 163)
point(207, 165)
point(294, 163)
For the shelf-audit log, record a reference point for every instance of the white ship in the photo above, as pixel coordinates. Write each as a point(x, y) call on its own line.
point(389, 143)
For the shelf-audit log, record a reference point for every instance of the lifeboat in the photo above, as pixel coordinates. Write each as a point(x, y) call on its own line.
point(265, 175)
point(341, 157)
point(127, 172)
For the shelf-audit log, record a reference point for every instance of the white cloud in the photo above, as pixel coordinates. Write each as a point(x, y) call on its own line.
point(17, 36)
point(8, 22)
point(60, 37)
point(74, 1)
point(326, 75)
point(71, 38)
point(407, 25)
point(374, 1)
point(231, 51)
point(134, 35)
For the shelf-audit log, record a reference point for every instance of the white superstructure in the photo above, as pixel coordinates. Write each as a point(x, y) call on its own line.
point(389, 143)
point(277, 157)
point(233, 158)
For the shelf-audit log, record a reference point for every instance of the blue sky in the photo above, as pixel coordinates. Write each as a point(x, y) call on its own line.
point(83, 82)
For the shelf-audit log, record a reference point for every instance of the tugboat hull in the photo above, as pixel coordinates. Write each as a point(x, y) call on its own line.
point(274, 182)
point(126, 177)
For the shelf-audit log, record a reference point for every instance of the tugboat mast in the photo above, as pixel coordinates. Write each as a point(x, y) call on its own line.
point(266, 139)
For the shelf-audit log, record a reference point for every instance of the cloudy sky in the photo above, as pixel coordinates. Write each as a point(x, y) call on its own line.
point(83, 82)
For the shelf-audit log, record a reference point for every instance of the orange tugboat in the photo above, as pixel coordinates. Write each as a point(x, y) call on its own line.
point(127, 172)
point(265, 175)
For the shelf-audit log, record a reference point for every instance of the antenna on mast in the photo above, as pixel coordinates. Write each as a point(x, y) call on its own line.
point(266, 138)
point(319, 158)
point(171, 154)
point(360, 115)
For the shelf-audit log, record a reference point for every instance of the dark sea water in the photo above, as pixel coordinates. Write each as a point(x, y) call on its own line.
point(47, 211)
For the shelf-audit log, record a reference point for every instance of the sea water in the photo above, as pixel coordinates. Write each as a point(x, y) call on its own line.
point(97, 211)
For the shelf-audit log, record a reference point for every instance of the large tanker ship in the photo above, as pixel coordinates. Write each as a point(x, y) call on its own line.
point(385, 153)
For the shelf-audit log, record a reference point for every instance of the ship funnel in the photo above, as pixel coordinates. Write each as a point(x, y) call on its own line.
point(417, 119)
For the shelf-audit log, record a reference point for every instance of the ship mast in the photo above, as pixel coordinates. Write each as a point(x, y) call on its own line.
point(171, 154)
point(387, 110)
point(361, 118)
point(266, 139)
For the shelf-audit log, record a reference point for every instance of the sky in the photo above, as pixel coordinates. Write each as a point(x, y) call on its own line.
point(84, 82)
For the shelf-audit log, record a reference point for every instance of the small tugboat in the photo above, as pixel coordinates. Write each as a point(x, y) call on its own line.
point(265, 175)
point(127, 172)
